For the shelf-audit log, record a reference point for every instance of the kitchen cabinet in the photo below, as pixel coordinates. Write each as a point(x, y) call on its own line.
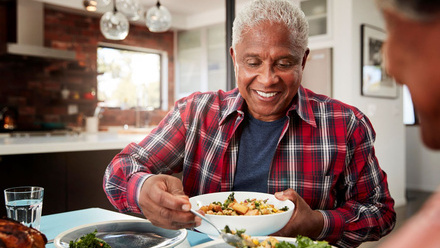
point(318, 14)
point(72, 180)
point(318, 60)
point(201, 56)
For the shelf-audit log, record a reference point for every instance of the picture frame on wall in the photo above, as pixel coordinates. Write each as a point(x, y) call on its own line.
point(375, 82)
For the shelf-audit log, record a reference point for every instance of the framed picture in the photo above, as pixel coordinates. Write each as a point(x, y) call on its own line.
point(375, 80)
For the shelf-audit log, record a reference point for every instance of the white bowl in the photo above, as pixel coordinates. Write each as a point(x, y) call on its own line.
point(260, 225)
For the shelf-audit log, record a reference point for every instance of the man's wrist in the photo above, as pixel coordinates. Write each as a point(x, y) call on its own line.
point(317, 224)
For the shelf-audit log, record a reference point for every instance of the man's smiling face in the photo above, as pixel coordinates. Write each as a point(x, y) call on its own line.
point(267, 70)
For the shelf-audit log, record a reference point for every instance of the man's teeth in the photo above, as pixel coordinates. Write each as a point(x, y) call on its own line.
point(263, 94)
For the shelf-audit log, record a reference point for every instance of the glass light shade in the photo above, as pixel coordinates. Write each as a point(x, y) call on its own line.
point(114, 25)
point(103, 3)
point(158, 19)
point(130, 8)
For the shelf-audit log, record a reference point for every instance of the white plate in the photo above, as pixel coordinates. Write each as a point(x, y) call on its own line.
point(125, 233)
point(219, 243)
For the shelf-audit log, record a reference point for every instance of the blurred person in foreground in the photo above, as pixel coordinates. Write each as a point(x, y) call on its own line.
point(412, 53)
point(268, 135)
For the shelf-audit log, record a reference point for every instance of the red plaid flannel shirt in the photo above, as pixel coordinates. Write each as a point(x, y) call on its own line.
point(325, 153)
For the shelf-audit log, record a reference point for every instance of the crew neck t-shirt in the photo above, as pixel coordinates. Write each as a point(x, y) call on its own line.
point(257, 147)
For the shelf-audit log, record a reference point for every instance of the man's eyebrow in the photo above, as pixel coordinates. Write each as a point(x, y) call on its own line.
point(290, 56)
point(254, 55)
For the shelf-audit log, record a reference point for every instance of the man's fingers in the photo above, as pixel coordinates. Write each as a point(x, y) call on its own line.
point(166, 218)
point(173, 202)
point(288, 194)
point(166, 191)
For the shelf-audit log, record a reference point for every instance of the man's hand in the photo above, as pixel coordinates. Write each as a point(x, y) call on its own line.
point(304, 221)
point(164, 203)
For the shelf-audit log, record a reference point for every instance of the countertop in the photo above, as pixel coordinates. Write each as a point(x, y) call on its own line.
point(68, 143)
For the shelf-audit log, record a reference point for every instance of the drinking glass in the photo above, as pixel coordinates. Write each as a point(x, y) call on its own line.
point(25, 204)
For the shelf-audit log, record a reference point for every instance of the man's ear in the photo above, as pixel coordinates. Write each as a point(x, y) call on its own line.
point(304, 60)
point(231, 51)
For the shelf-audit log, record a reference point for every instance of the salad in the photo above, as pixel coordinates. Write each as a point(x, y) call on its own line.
point(247, 207)
point(273, 242)
point(89, 241)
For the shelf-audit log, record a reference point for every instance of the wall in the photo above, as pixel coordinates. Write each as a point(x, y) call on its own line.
point(385, 114)
point(423, 164)
point(34, 85)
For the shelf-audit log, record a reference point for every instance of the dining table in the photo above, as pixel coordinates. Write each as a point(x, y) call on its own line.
point(54, 224)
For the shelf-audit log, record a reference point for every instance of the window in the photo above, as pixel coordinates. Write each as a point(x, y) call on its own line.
point(129, 78)
point(409, 113)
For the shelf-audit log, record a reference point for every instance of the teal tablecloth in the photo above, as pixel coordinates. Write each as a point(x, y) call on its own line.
point(54, 224)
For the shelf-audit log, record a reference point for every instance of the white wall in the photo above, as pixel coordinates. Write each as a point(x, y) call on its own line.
point(386, 115)
point(422, 164)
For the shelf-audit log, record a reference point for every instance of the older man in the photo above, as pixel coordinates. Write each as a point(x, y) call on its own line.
point(413, 58)
point(269, 135)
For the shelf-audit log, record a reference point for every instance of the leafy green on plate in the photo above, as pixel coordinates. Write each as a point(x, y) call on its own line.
point(89, 241)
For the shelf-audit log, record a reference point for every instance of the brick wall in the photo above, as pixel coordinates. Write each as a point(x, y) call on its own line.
point(33, 86)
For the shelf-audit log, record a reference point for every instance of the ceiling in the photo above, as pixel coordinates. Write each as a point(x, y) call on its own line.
point(186, 14)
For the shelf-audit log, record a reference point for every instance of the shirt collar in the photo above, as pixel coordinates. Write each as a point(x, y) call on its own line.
point(237, 107)
point(300, 104)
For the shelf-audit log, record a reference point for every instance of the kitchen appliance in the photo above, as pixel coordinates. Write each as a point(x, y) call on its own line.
point(25, 31)
point(8, 118)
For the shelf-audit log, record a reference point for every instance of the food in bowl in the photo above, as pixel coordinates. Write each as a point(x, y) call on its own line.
point(256, 225)
point(249, 206)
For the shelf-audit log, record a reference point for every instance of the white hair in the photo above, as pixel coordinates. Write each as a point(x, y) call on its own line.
point(423, 10)
point(283, 12)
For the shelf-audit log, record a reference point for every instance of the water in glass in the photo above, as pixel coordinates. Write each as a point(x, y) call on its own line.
point(27, 212)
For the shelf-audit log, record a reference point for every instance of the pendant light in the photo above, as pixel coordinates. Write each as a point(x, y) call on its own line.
point(114, 25)
point(130, 8)
point(158, 18)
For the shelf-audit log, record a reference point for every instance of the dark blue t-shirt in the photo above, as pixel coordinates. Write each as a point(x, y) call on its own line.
point(257, 147)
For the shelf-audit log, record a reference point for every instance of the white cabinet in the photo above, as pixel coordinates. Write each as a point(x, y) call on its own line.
point(201, 60)
point(318, 14)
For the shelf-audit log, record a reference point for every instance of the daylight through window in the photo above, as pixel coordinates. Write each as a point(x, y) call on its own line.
point(129, 78)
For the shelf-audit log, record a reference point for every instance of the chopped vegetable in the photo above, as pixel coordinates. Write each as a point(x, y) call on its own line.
point(89, 241)
point(303, 242)
point(230, 200)
point(273, 242)
point(246, 207)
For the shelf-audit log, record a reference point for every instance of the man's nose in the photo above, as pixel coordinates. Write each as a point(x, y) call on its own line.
point(268, 75)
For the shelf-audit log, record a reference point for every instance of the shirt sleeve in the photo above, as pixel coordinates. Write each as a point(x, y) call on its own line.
point(367, 209)
point(161, 152)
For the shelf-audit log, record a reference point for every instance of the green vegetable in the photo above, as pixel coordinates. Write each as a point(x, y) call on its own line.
point(285, 208)
point(230, 199)
point(303, 242)
point(227, 229)
point(257, 205)
point(89, 241)
point(238, 232)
